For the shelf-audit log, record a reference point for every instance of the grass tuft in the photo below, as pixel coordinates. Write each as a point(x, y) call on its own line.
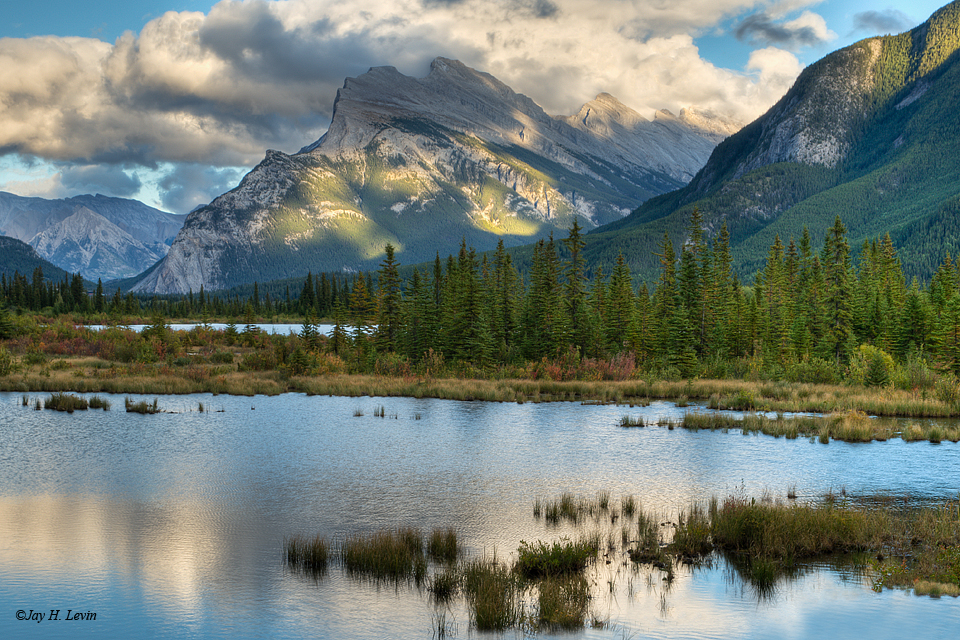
point(394, 555)
point(66, 402)
point(306, 554)
point(443, 546)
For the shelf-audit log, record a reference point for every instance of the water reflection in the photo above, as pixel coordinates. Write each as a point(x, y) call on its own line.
point(173, 524)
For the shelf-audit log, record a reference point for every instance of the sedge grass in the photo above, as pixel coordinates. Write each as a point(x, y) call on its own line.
point(142, 407)
point(493, 595)
point(563, 603)
point(394, 555)
point(847, 426)
point(66, 402)
point(306, 554)
point(86, 374)
point(443, 545)
point(562, 558)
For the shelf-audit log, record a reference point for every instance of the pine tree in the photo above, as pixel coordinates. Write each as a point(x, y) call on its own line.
point(389, 318)
point(838, 278)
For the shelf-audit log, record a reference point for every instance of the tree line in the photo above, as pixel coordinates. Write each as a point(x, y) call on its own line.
point(810, 310)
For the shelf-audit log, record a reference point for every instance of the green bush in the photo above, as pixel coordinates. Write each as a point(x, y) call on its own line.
point(871, 366)
point(815, 371)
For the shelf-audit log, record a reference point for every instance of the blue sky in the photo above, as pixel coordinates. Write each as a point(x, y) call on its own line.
point(171, 101)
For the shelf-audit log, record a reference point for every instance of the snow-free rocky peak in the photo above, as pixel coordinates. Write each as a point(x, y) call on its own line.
point(424, 163)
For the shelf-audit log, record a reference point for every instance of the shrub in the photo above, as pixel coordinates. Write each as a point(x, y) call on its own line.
point(263, 360)
point(221, 357)
point(815, 371)
point(7, 363)
point(871, 366)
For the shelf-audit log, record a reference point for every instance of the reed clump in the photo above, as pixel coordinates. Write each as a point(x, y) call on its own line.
point(306, 554)
point(540, 560)
point(794, 531)
point(66, 402)
point(572, 508)
point(493, 595)
point(630, 421)
point(847, 426)
point(96, 402)
point(443, 545)
point(394, 555)
point(563, 602)
point(445, 584)
point(142, 407)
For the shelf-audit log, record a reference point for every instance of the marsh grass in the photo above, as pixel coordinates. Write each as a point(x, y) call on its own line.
point(66, 402)
point(563, 603)
point(96, 402)
point(630, 421)
point(788, 532)
point(692, 537)
point(216, 374)
point(572, 508)
point(936, 589)
point(493, 595)
point(443, 545)
point(847, 426)
point(142, 407)
point(563, 558)
point(445, 584)
point(394, 555)
point(306, 554)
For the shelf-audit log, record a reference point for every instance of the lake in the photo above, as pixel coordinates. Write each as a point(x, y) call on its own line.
point(172, 524)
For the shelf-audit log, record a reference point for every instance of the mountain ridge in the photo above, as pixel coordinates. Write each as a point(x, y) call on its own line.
point(98, 236)
point(424, 164)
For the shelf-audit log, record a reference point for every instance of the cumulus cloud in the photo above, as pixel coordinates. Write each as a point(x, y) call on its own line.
point(220, 88)
point(882, 22)
point(764, 28)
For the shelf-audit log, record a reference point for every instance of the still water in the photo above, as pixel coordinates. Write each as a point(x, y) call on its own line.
point(172, 524)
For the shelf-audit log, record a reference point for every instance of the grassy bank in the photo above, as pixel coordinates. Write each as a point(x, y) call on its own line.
point(217, 373)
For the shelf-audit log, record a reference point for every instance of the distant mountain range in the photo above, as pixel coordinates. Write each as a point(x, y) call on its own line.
point(424, 163)
point(870, 132)
point(95, 235)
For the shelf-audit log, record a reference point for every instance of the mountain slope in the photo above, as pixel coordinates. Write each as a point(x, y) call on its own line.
point(17, 256)
point(423, 163)
point(98, 236)
point(869, 132)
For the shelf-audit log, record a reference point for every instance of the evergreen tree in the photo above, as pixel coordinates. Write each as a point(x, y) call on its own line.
point(389, 317)
point(838, 278)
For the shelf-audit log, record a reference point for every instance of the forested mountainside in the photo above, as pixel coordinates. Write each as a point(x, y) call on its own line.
point(870, 132)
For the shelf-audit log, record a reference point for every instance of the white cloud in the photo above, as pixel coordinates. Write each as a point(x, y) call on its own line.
point(219, 88)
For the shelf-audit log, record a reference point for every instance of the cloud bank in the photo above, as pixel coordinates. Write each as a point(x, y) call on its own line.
point(220, 88)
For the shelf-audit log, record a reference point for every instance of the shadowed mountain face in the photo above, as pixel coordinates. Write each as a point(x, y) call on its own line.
point(424, 163)
point(97, 236)
point(870, 133)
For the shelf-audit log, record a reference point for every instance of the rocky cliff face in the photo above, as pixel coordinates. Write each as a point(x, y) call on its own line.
point(98, 236)
point(423, 163)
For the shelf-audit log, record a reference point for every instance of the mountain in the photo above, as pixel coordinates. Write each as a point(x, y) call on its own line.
point(424, 163)
point(18, 256)
point(870, 132)
point(98, 236)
